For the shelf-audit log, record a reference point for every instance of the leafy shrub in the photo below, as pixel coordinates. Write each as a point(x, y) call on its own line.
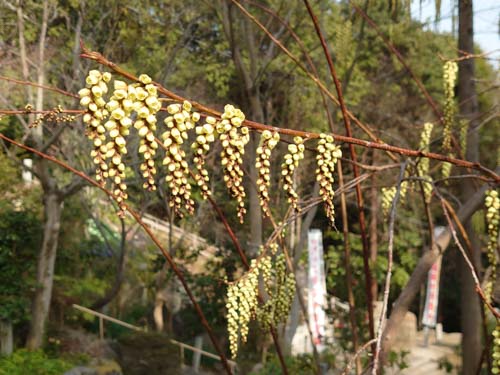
point(301, 364)
point(23, 362)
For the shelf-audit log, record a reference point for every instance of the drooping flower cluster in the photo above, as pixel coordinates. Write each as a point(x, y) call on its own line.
point(56, 115)
point(292, 158)
point(423, 164)
point(120, 108)
point(326, 159)
point(205, 135)
point(450, 69)
point(146, 104)
point(492, 203)
point(446, 169)
point(495, 363)
point(91, 98)
point(268, 142)
point(280, 295)
point(285, 290)
point(241, 304)
point(233, 136)
point(464, 128)
point(388, 194)
point(178, 123)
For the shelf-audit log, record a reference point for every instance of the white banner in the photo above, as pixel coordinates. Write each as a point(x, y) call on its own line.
point(316, 301)
point(429, 317)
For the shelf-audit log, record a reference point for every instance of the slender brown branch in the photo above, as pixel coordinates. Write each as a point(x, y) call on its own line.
point(352, 151)
point(401, 59)
point(387, 287)
point(428, 213)
point(316, 80)
point(308, 135)
point(157, 242)
point(460, 227)
point(358, 353)
point(298, 292)
point(467, 56)
point(304, 52)
point(347, 265)
point(28, 83)
point(479, 290)
point(244, 260)
point(27, 112)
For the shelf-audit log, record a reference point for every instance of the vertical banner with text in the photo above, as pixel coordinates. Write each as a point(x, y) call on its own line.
point(429, 317)
point(316, 301)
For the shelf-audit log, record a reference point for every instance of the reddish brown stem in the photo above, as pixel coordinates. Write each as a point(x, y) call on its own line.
point(27, 112)
point(347, 265)
point(359, 195)
point(304, 52)
point(403, 62)
point(308, 135)
point(244, 259)
point(138, 219)
point(472, 269)
point(316, 80)
point(45, 87)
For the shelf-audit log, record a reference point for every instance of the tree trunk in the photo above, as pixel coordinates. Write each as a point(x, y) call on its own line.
point(373, 236)
point(6, 339)
point(469, 303)
point(45, 270)
point(419, 274)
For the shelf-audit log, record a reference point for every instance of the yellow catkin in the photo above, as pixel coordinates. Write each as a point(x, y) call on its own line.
point(450, 69)
point(326, 158)
point(233, 136)
point(268, 142)
point(179, 121)
point(495, 350)
point(423, 163)
point(289, 166)
point(388, 195)
point(91, 98)
point(446, 169)
point(492, 203)
point(120, 108)
point(146, 105)
point(241, 306)
point(205, 136)
point(280, 295)
point(464, 128)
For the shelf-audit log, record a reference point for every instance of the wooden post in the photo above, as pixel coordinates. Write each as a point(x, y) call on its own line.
point(198, 343)
point(101, 328)
point(6, 340)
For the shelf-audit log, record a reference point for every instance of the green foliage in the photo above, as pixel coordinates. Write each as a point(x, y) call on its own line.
point(23, 362)
point(301, 364)
point(19, 237)
point(398, 359)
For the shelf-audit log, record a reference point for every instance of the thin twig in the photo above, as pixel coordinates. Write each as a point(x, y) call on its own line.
point(347, 265)
point(467, 56)
point(479, 290)
point(45, 87)
point(401, 59)
point(304, 52)
point(316, 80)
point(157, 242)
point(355, 356)
point(352, 151)
point(390, 247)
point(308, 135)
point(298, 292)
